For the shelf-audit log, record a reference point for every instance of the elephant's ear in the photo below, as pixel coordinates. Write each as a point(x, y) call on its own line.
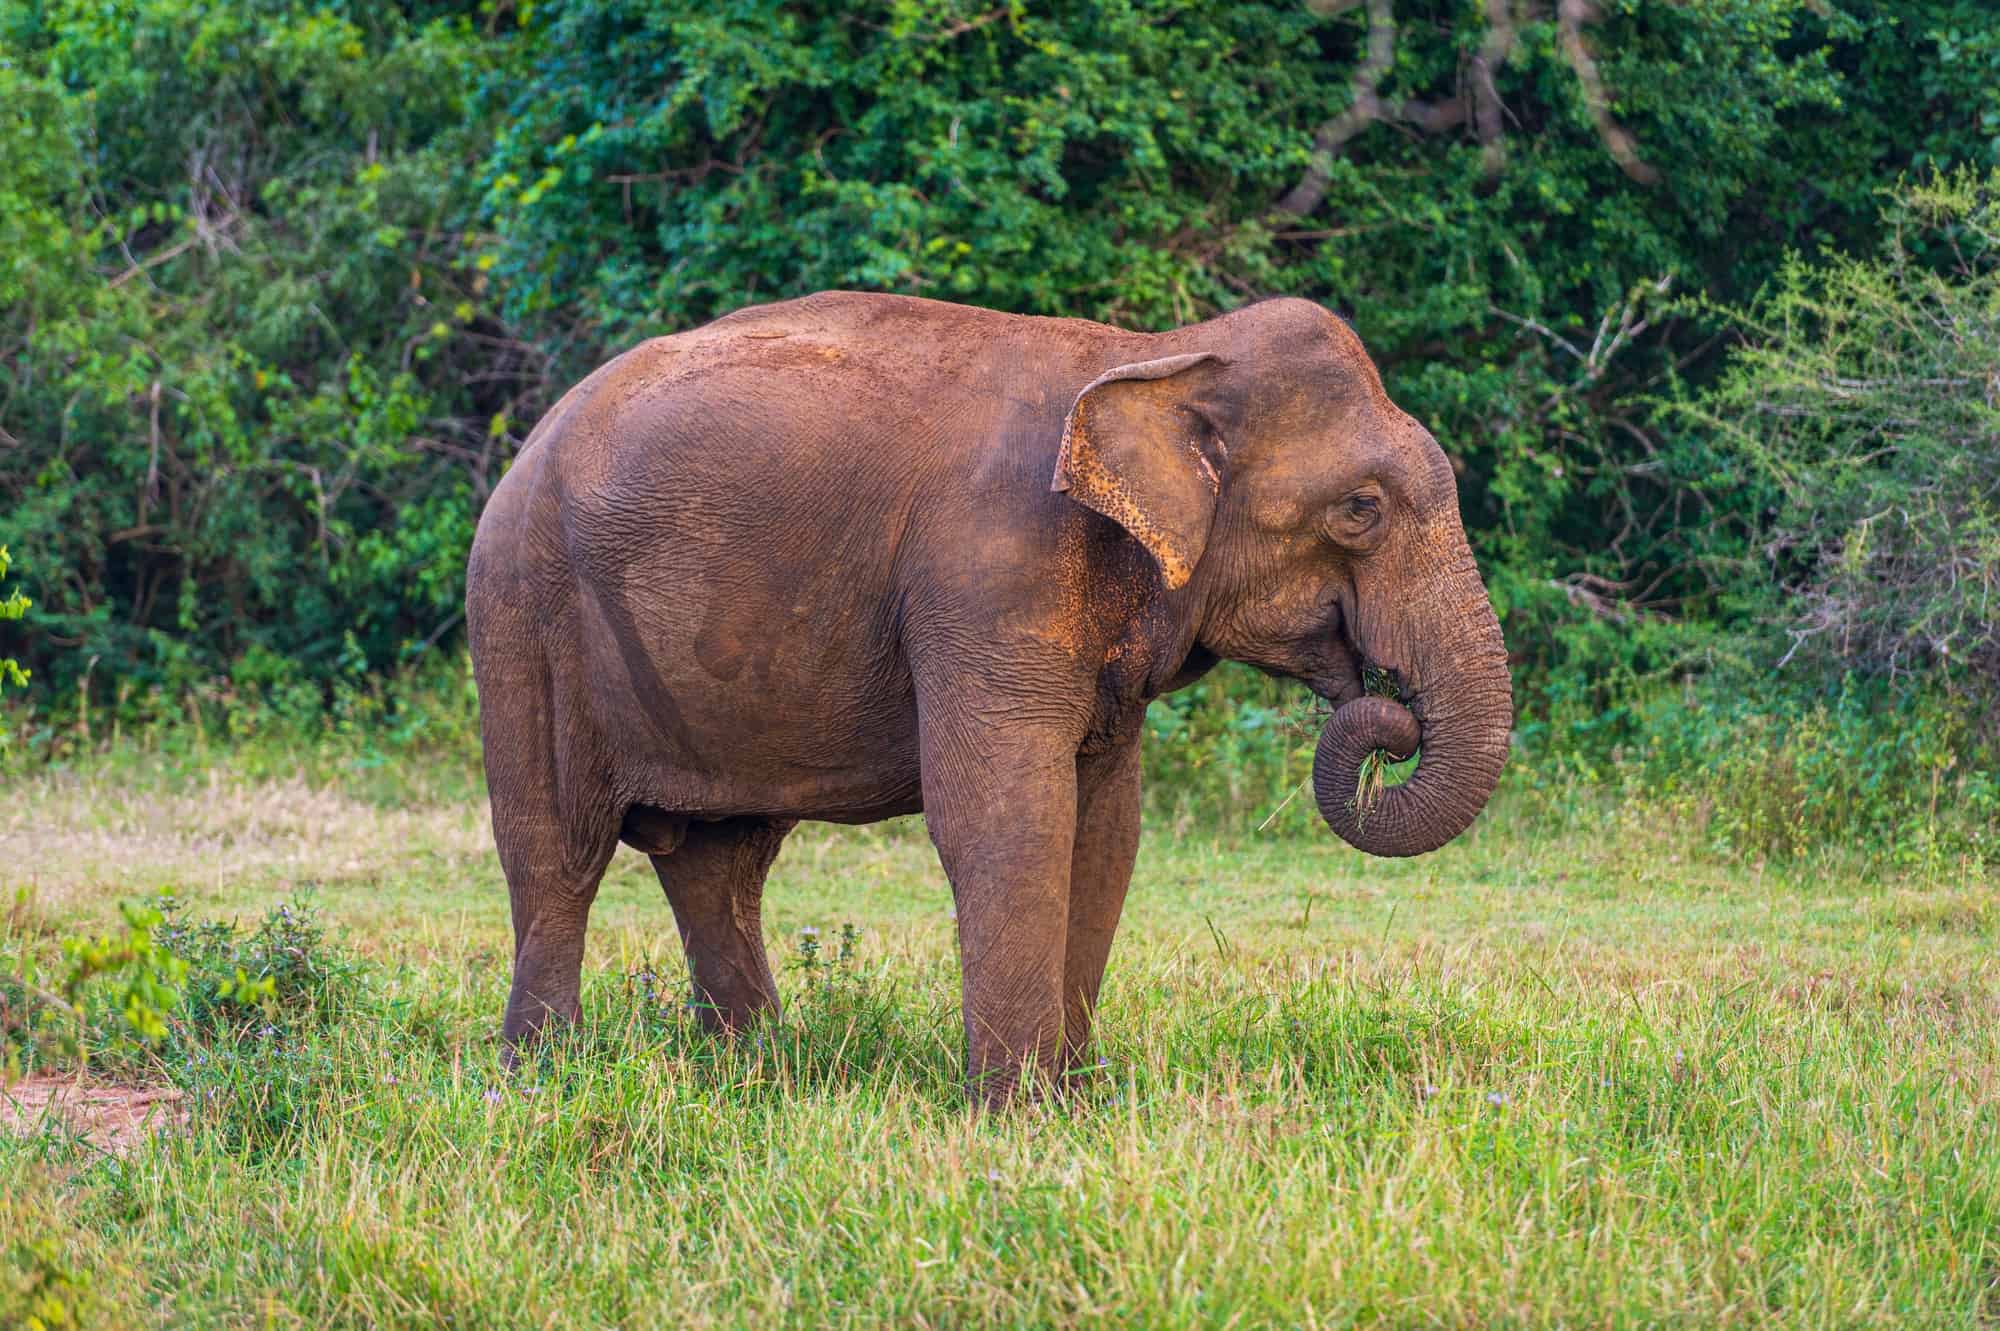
point(1132, 449)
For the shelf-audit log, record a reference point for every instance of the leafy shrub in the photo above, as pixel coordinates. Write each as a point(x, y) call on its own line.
point(42, 1288)
point(1863, 410)
point(106, 997)
point(1842, 691)
point(166, 986)
point(252, 1041)
point(283, 973)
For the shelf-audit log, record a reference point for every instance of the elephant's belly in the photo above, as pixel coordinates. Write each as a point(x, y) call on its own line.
point(766, 779)
point(837, 743)
point(749, 681)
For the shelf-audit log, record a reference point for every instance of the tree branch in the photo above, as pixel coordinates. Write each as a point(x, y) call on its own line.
point(1570, 18)
point(1364, 110)
point(1487, 108)
point(1368, 107)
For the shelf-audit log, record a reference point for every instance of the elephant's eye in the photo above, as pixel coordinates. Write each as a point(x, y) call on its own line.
point(1355, 518)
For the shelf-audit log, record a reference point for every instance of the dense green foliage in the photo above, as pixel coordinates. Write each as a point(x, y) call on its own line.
point(237, 305)
point(283, 286)
point(1854, 523)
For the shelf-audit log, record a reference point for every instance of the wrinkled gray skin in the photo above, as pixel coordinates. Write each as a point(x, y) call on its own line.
point(854, 556)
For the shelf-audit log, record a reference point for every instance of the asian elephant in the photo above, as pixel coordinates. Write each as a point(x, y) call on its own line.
point(852, 556)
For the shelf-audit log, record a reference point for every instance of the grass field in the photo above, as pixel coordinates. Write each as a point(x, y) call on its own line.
point(1578, 1075)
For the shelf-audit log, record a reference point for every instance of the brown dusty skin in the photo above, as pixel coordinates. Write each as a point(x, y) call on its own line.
point(855, 555)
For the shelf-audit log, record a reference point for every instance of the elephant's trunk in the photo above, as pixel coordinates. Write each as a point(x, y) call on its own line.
point(1458, 720)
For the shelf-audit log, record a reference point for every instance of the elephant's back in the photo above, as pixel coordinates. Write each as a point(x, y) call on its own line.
point(809, 421)
point(754, 394)
point(798, 424)
point(850, 368)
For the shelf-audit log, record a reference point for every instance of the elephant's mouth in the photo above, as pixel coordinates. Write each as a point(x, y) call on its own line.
point(1335, 670)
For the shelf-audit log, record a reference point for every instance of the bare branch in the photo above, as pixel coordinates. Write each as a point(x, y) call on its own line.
point(1487, 109)
point(964, 26)
point(1571, 15)
point(1367, 106)
point(1541, 330)
point(1604, 607)
point(1364, 110)
point(208, 237)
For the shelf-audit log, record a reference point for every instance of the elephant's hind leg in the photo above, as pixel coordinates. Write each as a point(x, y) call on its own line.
point(554, 829)
point(715, 882)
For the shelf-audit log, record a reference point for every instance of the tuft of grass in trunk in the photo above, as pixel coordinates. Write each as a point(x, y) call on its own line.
point(1380, 769)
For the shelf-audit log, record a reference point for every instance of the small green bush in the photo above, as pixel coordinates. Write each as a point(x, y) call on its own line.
point(283, 973)
point(1861, 416)
point(103, 998)
point(1860, 769)
point(254, 1070)
point(13, 605)
point(41, 1287)
point(168, 990)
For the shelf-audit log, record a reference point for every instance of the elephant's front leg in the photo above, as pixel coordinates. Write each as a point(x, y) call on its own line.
point(1107, 844)
point(1001, 806)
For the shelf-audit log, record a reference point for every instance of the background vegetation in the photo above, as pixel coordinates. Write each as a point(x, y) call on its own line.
point(285, 284)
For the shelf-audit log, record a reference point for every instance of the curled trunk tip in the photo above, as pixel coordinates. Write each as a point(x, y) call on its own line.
point(1458, 768)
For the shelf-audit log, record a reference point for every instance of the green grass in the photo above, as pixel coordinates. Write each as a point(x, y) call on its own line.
point(1567, 1072)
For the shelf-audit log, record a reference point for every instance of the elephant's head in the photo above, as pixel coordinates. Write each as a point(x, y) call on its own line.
point(1310, 528)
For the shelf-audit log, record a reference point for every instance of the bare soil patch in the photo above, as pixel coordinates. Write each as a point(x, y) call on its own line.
point(113, 1118)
